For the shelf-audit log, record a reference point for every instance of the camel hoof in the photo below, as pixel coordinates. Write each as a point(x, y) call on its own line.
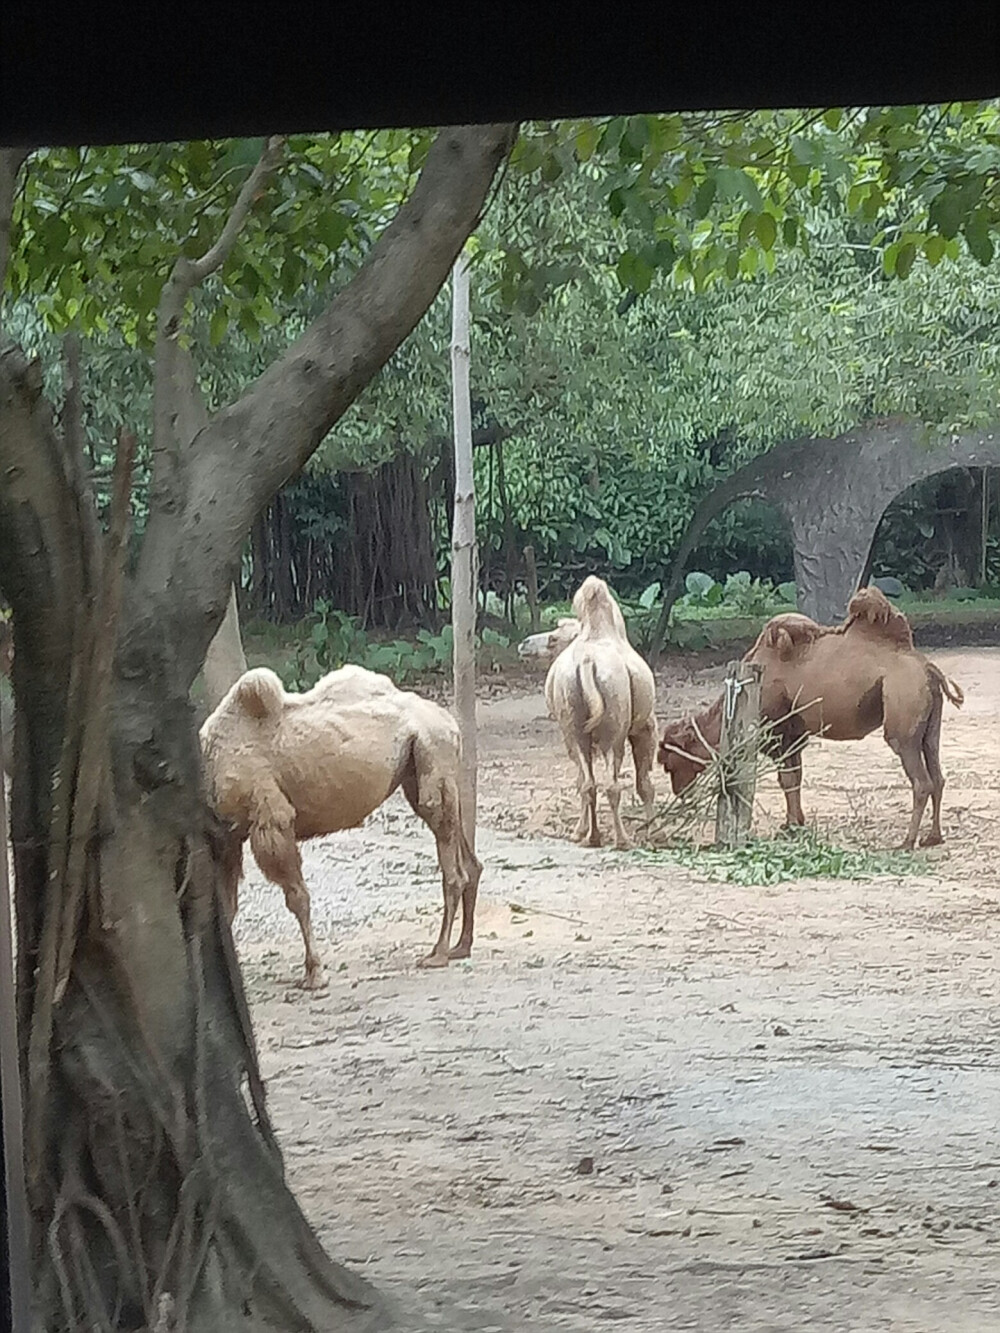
point(460, 951)
point(433, 960)
point(905, 847)
point(932, 840)
point(313, 981)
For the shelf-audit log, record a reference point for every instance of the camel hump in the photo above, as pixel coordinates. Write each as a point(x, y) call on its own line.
point(260, 694)
point(952, 692)
point(870, 606)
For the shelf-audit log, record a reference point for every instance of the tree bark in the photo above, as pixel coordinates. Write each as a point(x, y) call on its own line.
point(156, 1185)
point(14, 1266)
point(11, 161)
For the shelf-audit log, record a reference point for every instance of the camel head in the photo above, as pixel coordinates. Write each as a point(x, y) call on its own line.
point(595, 606)
point(682, 754)
point(550, 643)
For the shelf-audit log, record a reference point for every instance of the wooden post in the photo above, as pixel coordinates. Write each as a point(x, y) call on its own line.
point(531, 583)
point(15, 1286)
point(463, 548)
point(738, 753)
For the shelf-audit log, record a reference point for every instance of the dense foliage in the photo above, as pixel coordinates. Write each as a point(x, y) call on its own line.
point(656, 299)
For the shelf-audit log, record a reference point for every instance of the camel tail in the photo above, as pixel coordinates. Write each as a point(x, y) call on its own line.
point(591, 695)
point(952, 692)
point(260, 694)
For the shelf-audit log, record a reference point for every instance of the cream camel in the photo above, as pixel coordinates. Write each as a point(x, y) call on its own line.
point(602, 694)
point(285, 767)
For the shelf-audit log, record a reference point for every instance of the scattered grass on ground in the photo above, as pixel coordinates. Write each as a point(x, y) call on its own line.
point(789, 856)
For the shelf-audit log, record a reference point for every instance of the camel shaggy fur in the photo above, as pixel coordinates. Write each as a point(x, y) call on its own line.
point(602, 694)
point(285, 767)
point(840, 682)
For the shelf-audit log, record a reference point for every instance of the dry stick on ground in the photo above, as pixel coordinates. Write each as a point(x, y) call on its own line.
point(540, 911)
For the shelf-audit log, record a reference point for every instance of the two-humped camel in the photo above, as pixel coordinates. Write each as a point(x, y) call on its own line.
point(840, 682)
point(602, 694)
point(285, 767)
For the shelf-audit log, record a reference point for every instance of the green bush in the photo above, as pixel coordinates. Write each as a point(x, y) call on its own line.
point(336, 639)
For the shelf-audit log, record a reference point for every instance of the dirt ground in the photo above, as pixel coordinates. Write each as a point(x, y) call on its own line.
point(651, 1101)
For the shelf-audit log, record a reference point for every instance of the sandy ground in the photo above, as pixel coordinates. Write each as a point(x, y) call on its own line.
point(651, 1101)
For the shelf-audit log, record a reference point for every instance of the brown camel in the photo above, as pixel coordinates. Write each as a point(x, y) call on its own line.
point(840, 682)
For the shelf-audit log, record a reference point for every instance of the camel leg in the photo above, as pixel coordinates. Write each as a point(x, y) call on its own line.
point(644, 743)
point(276, 851)
point(473, 869)
point(910, 752)
point(790, 777)
point(932, 758)
point(436, 801)
point(589, 794)
point(586, 828)
point(614, 795)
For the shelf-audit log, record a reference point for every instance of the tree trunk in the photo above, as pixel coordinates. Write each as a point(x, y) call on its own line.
point(463, 559)
point(225, 660)
point(15, 1276)
point(531, 583)
point(156, 1187)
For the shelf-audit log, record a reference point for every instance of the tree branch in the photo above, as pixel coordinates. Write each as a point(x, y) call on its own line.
point(248, 451)
point(174, 380)
point(188, 273)
point(11, 161)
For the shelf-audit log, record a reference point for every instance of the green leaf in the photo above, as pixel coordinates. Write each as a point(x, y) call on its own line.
point(934, 248)
point(977, 236)
point(904, 259)
point(802, 149)
point(704, 196)
point(766, 229)
point(586, 141)
point(798, 173)
point(331, 228)
point(789, 231)
point(946, 212)
point(832, 118)
point(551, 168)
point(218, 325)
point(748, 226)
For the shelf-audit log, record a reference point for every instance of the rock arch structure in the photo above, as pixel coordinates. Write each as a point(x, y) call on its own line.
point(833, 493)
